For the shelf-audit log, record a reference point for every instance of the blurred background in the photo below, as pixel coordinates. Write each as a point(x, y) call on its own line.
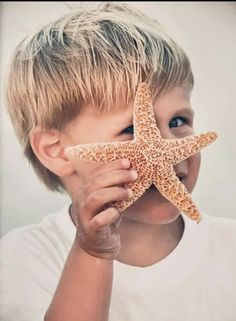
point(206, 30)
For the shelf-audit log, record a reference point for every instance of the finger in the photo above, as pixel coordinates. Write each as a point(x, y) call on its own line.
point(104, 218)
point(97, 200)
point(112, 178)
point(117, 164)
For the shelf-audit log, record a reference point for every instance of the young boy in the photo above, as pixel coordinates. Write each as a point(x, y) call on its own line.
point(74, 82)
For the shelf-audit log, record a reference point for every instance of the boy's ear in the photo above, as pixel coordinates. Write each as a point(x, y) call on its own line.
point(48, 147)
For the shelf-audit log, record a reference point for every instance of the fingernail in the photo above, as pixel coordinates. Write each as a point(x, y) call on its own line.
point(126, 162)
point(134, 174)
point(130, 192)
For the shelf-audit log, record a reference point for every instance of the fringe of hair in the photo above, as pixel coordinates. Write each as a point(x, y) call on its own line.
point(95, 57)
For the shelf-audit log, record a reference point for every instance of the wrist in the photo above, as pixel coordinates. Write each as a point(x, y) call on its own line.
point(98, 258)
point(103, 250)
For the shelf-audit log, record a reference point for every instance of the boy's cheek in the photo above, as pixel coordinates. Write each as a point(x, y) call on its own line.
point(83, 169)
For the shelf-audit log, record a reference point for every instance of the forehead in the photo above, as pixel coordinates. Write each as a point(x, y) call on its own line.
point(173, 101)
point(92, 125)
point(176, 99)
point(106, 121)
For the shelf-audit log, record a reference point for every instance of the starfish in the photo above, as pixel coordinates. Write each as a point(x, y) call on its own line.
point(150, 155)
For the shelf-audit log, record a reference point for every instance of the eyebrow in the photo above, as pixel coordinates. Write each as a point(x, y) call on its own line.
point(188, 111)
point(127, 121)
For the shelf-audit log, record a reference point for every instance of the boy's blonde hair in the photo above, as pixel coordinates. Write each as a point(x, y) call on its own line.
point(96, 57)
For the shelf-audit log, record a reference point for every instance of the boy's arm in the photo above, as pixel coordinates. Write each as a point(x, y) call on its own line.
point(84, 289)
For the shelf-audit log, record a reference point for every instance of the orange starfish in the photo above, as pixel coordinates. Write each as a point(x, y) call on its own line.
point(150, 155)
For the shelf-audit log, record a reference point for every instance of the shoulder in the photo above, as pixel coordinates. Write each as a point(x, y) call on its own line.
point(221, 233)
point(50, 237)
point(32, 258)
point(222, 226)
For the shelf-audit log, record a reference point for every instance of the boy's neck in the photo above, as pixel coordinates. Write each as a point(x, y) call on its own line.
point(144, 245)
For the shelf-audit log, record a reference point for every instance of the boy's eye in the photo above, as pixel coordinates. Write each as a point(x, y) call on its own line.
point(174, 123)
point(177, 122)
point(128, 130)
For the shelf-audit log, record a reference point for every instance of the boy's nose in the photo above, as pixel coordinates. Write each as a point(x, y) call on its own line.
point(181, 169)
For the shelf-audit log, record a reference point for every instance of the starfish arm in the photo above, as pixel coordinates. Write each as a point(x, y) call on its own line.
point(179, 149)
point(102, 152)
point(145, 126)
point(172, 189)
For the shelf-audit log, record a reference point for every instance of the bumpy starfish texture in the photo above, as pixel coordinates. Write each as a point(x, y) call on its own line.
point(150, 155)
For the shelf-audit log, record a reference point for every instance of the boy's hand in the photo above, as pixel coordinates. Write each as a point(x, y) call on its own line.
point(97, 222)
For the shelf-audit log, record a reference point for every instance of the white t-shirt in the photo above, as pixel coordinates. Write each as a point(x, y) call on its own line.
point(195, 282)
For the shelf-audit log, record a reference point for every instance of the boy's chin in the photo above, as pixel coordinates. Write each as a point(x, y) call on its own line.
point(153, 208)
point(163, 210)
point(158, 216)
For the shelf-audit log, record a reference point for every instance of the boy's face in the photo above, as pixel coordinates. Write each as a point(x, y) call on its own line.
point(174, 117)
